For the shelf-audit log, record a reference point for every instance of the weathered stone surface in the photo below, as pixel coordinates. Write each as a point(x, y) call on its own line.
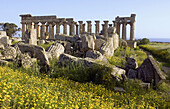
point(87, 42)
point(66, 38)
point(3, 33)
point(94, 54)
point(30, 37)
point(67, 60)
point(4, 40)
point(107, 48)
point(145, 85)
point(110, 30)
point(98, 43)
point(16, 39)
point(131, 63)
point(24, 60)
point(123, 43)
point(68, 48)
point(35, 52)
point(55, 50)
point(118, 73)
point(150, 72)
point(132, 44)
point(3, 62)
point(1, 46)
point(132, 74)
point(119, 89)
point(9, 52)
point(41, 41)
point(115, 40)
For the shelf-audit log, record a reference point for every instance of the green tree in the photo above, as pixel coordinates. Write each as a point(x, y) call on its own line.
point(10, 28)
point(143, 41)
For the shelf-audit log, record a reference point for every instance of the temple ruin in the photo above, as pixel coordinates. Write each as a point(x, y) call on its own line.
point(45, 26)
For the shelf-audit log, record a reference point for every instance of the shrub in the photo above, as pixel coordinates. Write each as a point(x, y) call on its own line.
point(143, 41)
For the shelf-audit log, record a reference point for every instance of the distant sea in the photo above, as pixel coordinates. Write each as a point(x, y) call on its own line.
point(159, 39)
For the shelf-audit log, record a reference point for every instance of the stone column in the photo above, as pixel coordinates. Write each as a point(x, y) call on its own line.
point(124, 30)
point(97, 27)
point(72, 28)
point(103, 29)
point(23, 29)
point(106, 28)
point(46, 28)
point(43, 30)
point(26, 26)
point(132, 30)
point(36, 27)
point(77, 29)
point(83, 27)
point(50, 30)
point(38, 32)
point(80, 26)
point(89, 26)
point(57, 28)
point(30, 25)
point(53, 31)
point(65, 28)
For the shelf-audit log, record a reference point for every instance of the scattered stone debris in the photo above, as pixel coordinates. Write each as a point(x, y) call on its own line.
point(119, 89)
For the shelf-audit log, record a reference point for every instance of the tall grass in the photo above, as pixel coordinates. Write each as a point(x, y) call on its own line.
point(162, 54)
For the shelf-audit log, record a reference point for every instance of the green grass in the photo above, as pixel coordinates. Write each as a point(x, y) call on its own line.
point(45, 46)
point(160, 51)
point(118, 58)
point(26, 90)
point(15, 42)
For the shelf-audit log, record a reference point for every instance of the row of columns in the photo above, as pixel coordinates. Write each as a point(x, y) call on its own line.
point(79, 28)
point(124, 24)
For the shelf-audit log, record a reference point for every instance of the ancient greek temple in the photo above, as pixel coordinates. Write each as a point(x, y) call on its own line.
point(45, 26)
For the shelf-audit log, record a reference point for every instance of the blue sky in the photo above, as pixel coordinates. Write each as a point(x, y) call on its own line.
point(152, 20)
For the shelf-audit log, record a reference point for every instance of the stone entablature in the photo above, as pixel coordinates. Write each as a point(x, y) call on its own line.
point(45, 26)
point(124, 21)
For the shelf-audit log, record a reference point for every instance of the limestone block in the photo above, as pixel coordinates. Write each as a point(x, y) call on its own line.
point(3, 33)
point(123, 43)
point(41, 42)
point(68, 48)
point(107, 48)
point(132, 74)
point(131, 63)
point(9, 52)
point(115, 40)
point(118, 73)
point(94, 54)
point(66, 38)
point(87, 42)
point(55, 50)
point(110, 30)
point(1, 46)
point(150, 72)
point(35, 52)
point(98, 43)
point(4, 40)
point(30, 37)
point(132, 44)
point(119, 89)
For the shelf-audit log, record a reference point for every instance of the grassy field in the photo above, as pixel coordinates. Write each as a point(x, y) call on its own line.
point(159, 46)
point(159, 50)
point(70, 87)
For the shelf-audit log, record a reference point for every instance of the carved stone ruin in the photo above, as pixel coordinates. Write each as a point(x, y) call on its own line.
point(45, 26)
